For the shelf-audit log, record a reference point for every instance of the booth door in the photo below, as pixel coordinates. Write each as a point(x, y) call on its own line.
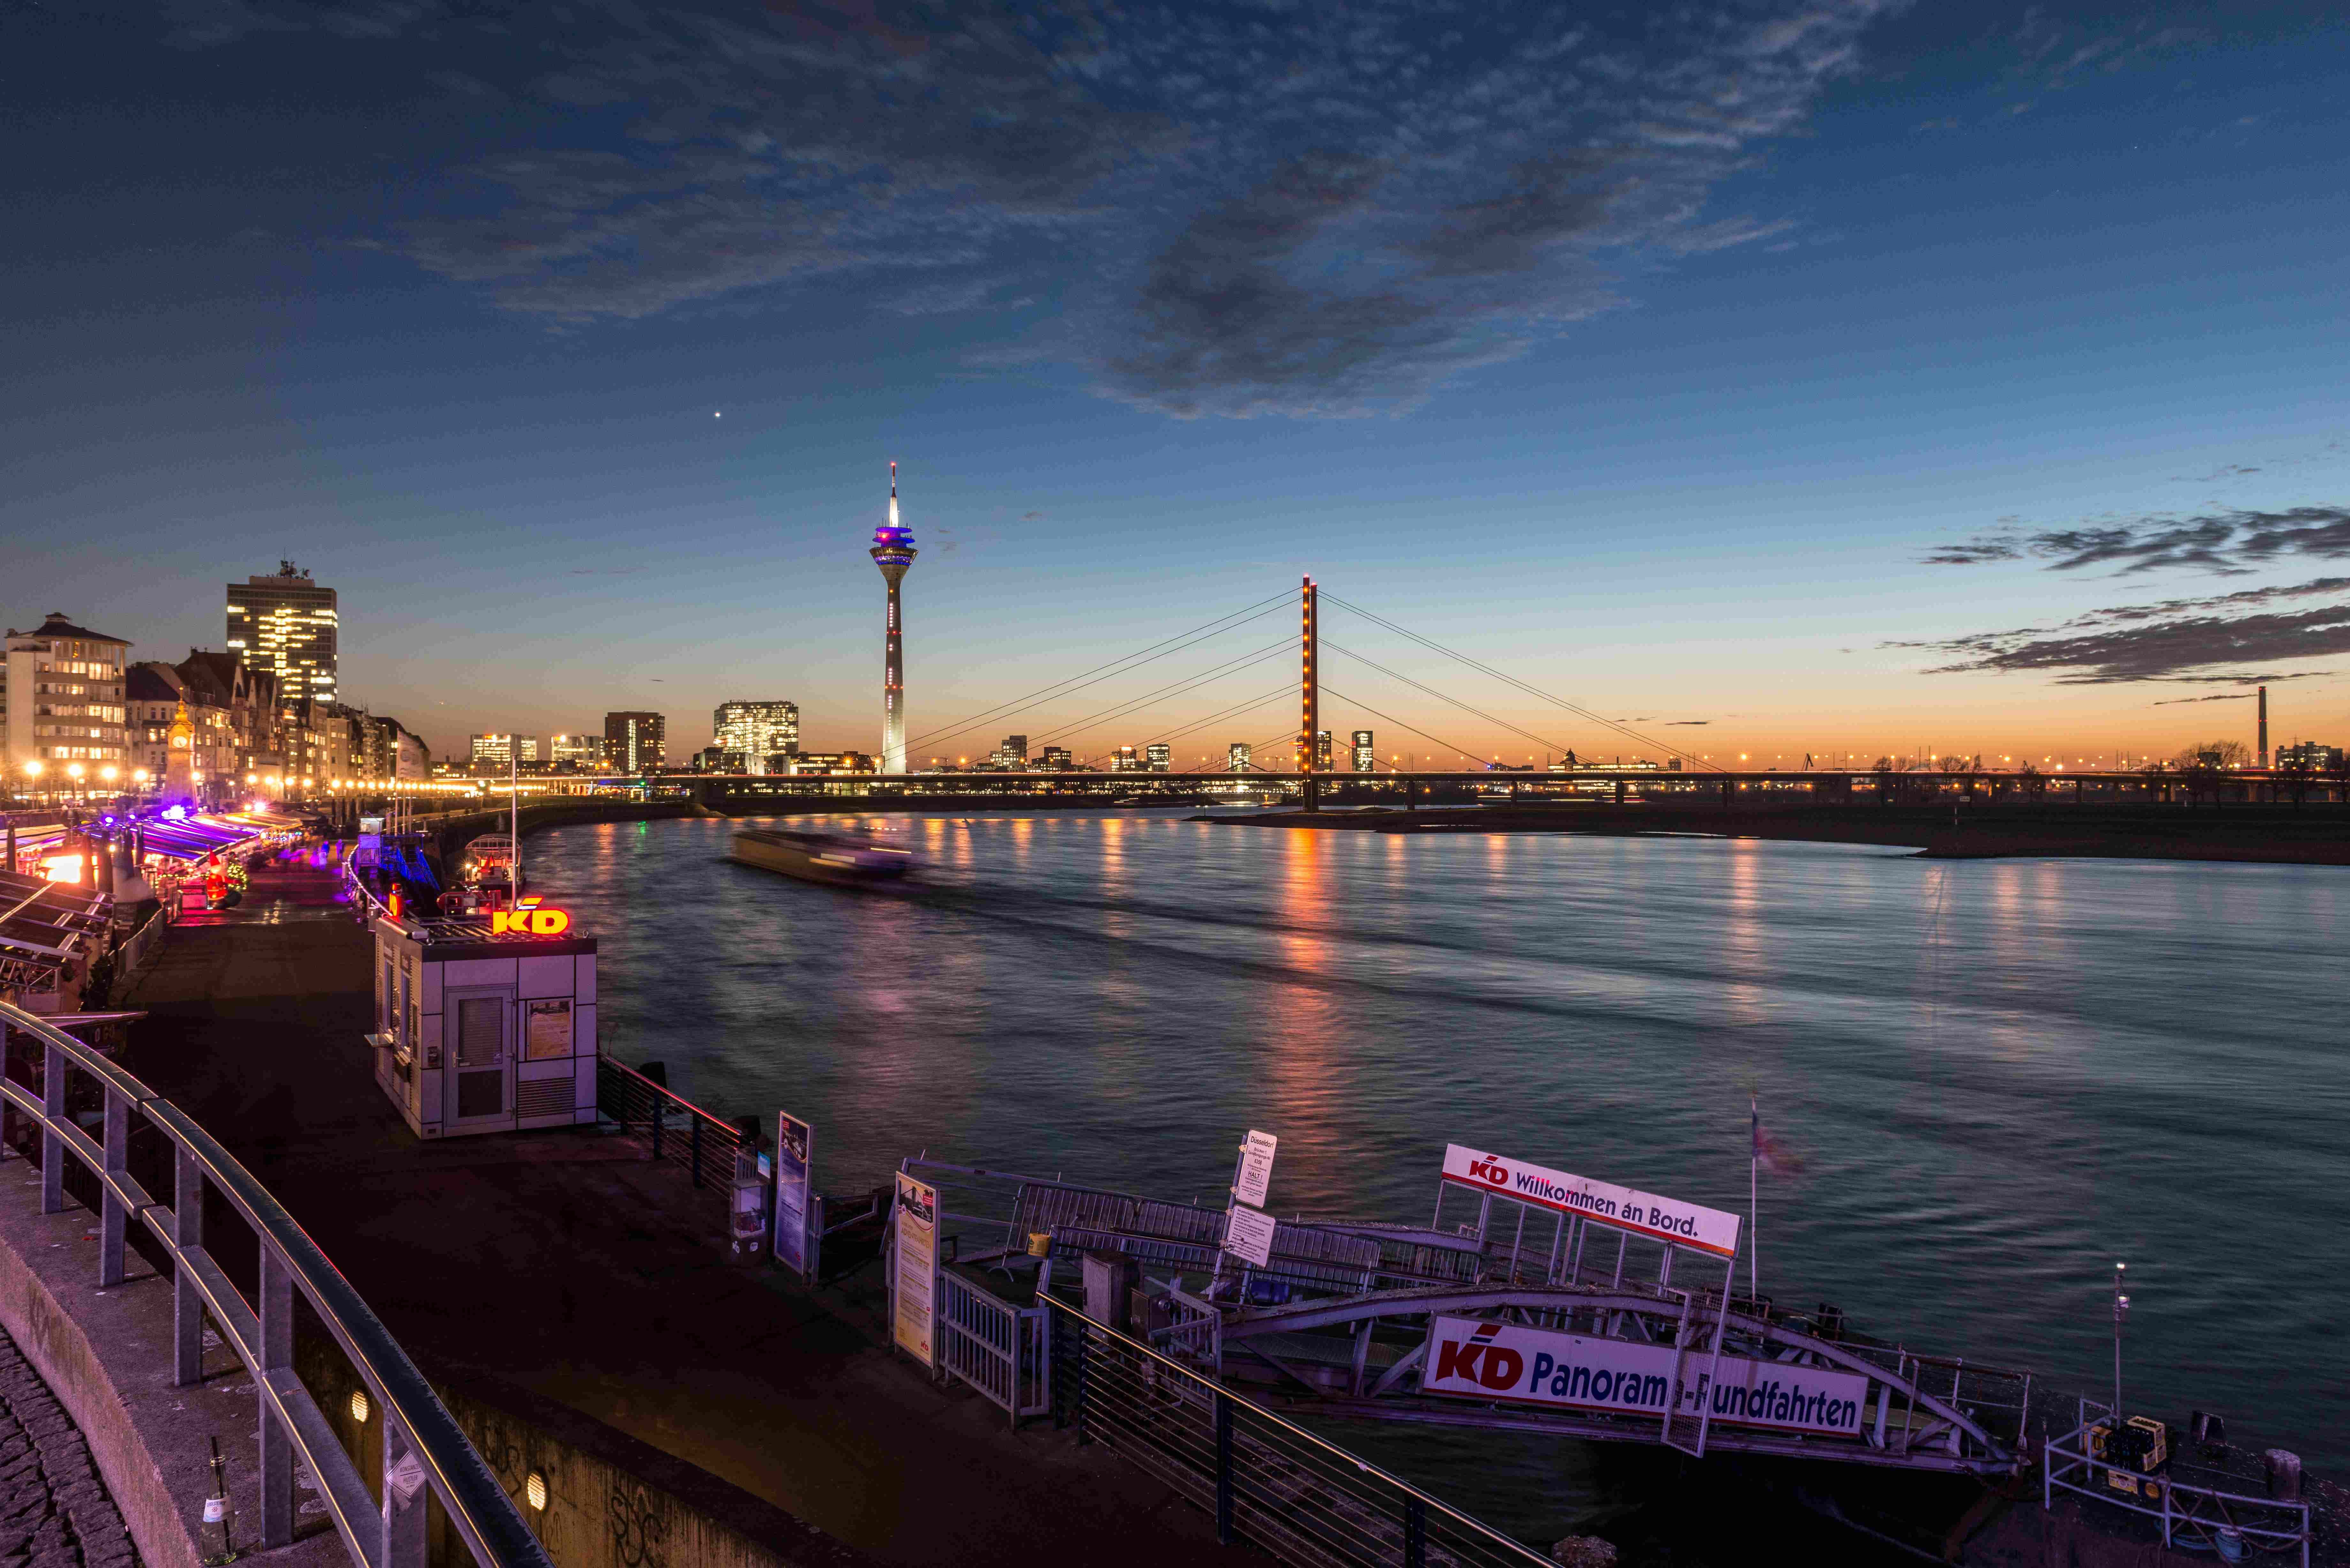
point(481, 1057)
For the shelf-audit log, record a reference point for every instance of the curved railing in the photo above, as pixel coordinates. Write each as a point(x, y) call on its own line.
point(423, 1448)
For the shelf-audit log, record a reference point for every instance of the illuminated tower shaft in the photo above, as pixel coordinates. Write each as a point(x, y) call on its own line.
point(893, 552)
point(1309, 716)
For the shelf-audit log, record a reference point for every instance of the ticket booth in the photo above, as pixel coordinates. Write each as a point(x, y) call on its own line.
point(485, 1025)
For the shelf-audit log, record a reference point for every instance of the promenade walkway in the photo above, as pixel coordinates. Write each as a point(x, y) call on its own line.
point(563, 1263)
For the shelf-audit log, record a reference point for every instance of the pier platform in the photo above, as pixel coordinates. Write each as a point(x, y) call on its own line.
point(568, 1265)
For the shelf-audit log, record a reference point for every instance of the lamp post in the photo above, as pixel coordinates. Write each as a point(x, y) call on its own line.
point(32, 780)
point(73, 772)
point(2121, 1315)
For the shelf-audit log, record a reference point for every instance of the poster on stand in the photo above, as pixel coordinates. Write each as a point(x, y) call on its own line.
point(914, 1316)
point(793, 1159)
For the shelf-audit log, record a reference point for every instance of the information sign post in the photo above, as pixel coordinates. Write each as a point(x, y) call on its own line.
point(794, 1158)
point(915, 1279)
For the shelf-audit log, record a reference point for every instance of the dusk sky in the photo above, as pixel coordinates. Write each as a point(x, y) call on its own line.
point(1785, 378)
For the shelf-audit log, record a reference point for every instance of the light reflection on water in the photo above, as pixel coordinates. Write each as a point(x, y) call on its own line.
point(2004, 1075)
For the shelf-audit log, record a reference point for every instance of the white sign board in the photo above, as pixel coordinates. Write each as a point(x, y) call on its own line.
point(914, 1317)
point(1496, 1361)
point(1256, 1169)
point(1642, 1213)
point(1248, 1235)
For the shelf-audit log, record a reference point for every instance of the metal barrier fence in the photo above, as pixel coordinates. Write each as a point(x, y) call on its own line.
point(2190, 1516)
point(423, 1449)
point(998, 1348)
point(680, 1133)
point(140, 946)
point(1264, 1479)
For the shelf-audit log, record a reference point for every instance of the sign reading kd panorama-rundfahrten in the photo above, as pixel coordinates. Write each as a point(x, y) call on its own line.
point(1643, 1213)
point(1542, 1366)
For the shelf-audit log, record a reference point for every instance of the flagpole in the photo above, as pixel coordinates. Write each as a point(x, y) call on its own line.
point(1753, 1196)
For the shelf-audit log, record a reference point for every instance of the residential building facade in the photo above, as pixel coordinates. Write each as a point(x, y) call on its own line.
point(64, 700)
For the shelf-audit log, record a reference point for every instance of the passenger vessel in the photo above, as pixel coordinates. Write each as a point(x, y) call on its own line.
point(838, 858)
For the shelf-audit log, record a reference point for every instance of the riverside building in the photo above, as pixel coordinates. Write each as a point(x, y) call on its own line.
point(62, 707)
point(1367, 756)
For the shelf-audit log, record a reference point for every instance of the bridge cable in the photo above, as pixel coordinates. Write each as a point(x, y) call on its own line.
point(1391, 719)
point(1215, 672)
point(1504, 677)
point(1133, 660)
point(1244, 706)
point(1543, 741)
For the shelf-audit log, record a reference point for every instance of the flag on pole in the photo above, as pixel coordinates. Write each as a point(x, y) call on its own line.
point(1769, 1153)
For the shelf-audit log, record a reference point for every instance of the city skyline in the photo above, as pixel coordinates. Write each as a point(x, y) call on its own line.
point(1967, 385)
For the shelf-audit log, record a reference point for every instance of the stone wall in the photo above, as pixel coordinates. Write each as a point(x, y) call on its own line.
point(611, 1501)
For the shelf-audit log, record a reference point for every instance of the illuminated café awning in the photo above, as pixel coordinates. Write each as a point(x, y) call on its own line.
point(193, 837)
point(44, 925)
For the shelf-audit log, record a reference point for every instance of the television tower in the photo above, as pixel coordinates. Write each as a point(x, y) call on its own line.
point(893, 552)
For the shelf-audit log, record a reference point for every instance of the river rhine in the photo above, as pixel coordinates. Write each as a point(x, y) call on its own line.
point(2001, 1076)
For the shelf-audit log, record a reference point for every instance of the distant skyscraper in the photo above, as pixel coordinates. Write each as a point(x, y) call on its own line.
point(1057, 759)
point(1123, 760)
point(1011, 756)
point(1366, 756)
point(1322, 750)
point(285, 625)
point(757, 730)
point(1236, 756)
point(581, 750)
point(499, 751)
point(1157, 757)
point(636, 743)
point(893, 552)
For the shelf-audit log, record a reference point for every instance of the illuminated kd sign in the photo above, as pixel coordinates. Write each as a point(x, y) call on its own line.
point(529, 922)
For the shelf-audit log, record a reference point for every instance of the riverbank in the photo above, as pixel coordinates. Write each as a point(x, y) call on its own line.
point(2274, 834)
point(567, 1266)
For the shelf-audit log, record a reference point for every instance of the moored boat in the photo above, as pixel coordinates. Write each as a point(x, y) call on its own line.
point(842, 859)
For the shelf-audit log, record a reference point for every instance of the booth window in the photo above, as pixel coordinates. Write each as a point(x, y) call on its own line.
point(481, 1040)
point(546, 1029)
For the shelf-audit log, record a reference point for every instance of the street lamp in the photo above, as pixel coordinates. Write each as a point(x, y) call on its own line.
point(73, 772)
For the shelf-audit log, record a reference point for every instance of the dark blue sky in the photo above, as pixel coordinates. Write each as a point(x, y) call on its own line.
point(1808, 377)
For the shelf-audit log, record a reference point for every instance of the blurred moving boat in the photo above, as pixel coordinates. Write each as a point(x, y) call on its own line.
point(842, 859)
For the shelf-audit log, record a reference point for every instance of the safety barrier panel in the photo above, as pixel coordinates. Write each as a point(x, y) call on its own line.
point(2190, 1516)
point(423, 1448)
point(1264, 1479)
point(997, 1348)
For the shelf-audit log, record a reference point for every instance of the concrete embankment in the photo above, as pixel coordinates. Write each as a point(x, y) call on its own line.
point(570, 1267)
point(2313, 836)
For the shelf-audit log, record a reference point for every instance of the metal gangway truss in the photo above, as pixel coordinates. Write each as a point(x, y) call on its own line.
point(1341, 1319)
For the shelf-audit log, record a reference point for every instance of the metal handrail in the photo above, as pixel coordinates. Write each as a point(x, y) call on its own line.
point(262, 1332)
point(2068, 1456)
point(719, 1122)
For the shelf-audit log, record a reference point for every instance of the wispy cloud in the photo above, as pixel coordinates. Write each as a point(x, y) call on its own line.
point(1305, 210)
point(2225, 639)
point(2227, 543)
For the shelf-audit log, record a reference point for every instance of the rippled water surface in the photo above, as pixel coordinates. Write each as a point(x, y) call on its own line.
point(2002, 1075)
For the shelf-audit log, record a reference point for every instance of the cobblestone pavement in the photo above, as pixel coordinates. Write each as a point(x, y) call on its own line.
point(54, 1510)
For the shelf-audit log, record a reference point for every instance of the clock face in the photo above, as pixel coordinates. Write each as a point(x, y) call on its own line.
point(179, 740)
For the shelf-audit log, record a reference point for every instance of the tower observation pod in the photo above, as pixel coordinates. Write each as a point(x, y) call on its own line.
point(893, 552)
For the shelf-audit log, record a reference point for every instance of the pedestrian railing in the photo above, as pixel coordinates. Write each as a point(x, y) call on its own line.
point(140, 946)
point(423, 1449)
point(2194, 1517)
point(1264, 1479)
point(678, 1132)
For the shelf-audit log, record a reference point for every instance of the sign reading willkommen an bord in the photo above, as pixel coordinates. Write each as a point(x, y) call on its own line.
point(1642, 1213)
point(915, 1317)
point(1497, 1361)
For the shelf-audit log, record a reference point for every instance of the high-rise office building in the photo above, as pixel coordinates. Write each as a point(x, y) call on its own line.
point(62, 704)
point(1011, 756)
point(893, 552)
point(501, 752)
point(1236, 756)
point(1124, 760)
point(757, 731)
point(1366, 756)
point(285, 625)
point(1322, 750)
point(636, 743)
point(1057, 759)
point(1157, 757)
point(583, 751)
